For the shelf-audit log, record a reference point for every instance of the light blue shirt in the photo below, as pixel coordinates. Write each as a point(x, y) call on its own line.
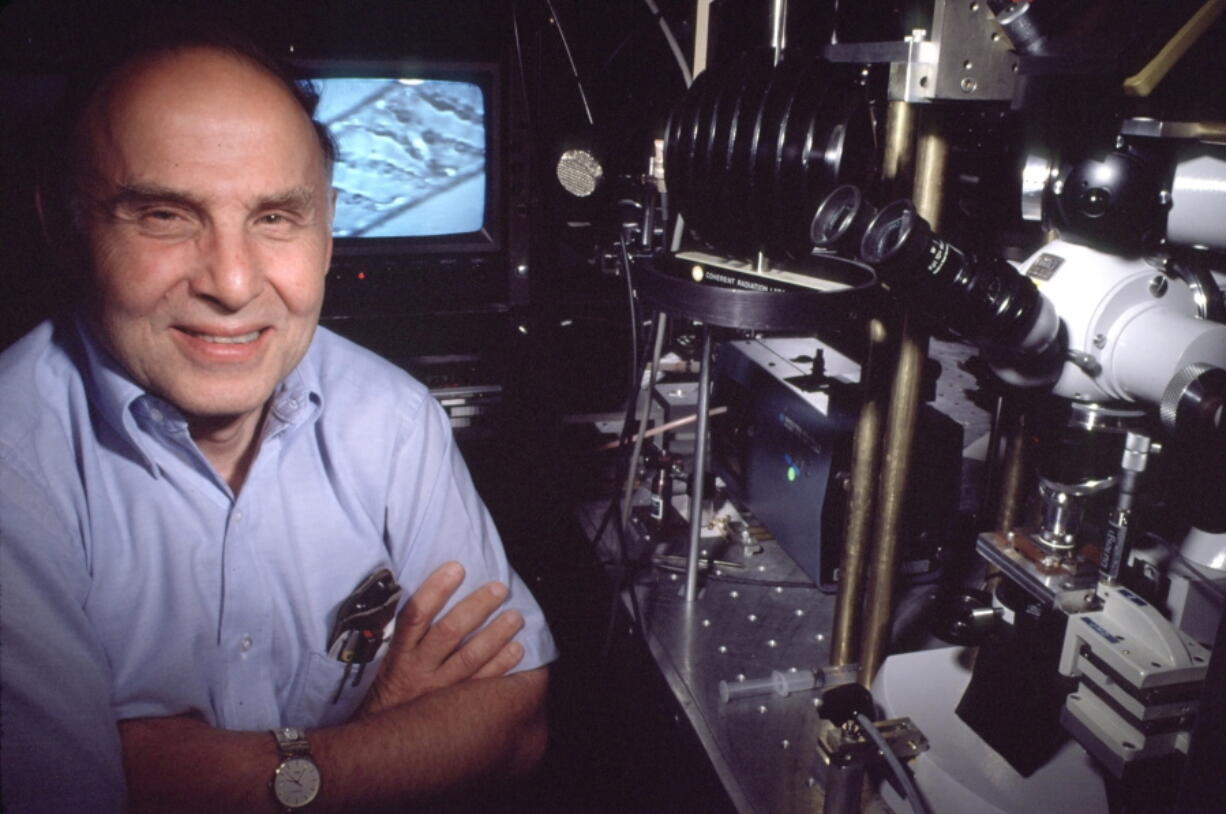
point(133, 582)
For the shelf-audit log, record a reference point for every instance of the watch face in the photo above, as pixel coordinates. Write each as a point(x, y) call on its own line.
point(296, 782)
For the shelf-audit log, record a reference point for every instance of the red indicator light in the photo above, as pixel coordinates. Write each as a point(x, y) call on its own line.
point(361, 275)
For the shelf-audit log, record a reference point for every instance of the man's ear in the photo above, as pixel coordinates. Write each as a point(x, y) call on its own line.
point(331, 220)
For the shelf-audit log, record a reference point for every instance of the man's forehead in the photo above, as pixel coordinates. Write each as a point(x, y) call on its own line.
point(191, 89)
point(183, 74)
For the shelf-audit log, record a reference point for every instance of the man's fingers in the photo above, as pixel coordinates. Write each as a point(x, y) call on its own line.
point(427, 653)
point(426, 602)
point(485, 646)
point(506, 659)
point(467, 616)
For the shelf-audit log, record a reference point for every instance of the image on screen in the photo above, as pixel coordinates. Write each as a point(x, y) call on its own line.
point(411, 155)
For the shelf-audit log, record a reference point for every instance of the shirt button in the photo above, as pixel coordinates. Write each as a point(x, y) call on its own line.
point(156, 415)
point(238, 515)
point(245, 643)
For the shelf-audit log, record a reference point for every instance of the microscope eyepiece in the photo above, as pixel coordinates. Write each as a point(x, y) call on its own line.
point(897, 236)
point(841, 220)
point(982, 300)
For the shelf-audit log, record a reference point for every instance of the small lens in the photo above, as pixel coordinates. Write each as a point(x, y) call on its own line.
point(888, 232)
point(835, 215)
point(1095, 202)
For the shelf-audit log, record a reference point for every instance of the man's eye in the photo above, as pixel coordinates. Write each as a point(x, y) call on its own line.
point(164, 222)
point(274, 219)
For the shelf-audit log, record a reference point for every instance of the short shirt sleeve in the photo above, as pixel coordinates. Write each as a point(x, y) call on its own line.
point(435, 515)
point(59, 743)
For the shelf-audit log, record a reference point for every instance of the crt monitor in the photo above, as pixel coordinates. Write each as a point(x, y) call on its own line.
point(422, 211)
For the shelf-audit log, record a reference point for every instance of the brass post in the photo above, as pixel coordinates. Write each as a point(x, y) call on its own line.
point(866, 444)
point(1013, 471)
point(931, 153)
point(900, 430)
point(897, 162)
point(866, 458)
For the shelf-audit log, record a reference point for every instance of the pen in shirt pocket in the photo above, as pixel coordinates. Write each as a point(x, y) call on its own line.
point(362, 623)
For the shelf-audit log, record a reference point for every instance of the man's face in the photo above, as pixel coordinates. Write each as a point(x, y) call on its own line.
point(209, 229)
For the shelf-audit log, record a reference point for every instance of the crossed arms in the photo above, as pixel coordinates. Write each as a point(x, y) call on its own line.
point(443, 712)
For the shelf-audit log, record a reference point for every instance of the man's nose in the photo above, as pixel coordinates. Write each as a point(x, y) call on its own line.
point(231, 272)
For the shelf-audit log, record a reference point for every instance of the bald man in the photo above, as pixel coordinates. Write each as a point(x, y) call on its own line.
point(194, 478)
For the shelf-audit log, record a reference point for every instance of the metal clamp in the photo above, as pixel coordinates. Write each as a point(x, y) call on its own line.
point(968, 56)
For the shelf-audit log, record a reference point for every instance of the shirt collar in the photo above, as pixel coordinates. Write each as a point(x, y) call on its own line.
point(298, 397)
point(120, 400)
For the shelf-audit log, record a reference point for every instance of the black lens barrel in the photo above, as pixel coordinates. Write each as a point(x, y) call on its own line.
point(981, 300)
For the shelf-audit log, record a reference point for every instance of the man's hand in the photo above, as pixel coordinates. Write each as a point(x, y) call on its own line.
point(425, 655)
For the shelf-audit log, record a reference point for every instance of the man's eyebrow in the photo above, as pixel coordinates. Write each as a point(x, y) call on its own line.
point(295, 198)
point(128, 194)
point(298, 198)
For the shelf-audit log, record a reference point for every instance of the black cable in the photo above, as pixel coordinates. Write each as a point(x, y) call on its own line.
point(570, 59)
point(519, 60)
point(635, 365)
point(625, 449)
point(896, 768)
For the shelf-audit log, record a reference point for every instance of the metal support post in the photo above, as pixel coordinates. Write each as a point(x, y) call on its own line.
point(660, 326)
point(866, 458)
point(931, 153)
point(700, 468)
point(866, 444)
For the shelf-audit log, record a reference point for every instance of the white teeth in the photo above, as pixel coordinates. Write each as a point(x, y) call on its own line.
point(228, 340)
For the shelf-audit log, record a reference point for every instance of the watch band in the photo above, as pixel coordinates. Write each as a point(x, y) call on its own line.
point(291, 741)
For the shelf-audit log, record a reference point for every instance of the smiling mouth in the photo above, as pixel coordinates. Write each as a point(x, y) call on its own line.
point(241, 339)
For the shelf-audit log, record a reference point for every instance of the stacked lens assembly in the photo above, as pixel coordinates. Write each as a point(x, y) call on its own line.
point(753, 147)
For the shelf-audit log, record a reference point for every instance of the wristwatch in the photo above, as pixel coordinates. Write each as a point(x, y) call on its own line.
point(296, 781)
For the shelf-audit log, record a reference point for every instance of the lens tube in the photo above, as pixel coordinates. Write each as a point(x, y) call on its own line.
point(840, 220)
point(985, 301)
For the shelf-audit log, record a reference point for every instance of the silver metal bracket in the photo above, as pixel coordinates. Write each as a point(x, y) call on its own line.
point(968, 57)
point(1058, 581)
point(904, 737)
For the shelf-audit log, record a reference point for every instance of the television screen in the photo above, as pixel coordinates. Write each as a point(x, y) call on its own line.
point(412, 155)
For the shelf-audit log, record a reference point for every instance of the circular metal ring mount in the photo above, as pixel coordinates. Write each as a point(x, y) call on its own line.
point(727, 294)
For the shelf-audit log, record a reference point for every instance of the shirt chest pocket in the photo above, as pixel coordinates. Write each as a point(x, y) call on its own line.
point(329, 690)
